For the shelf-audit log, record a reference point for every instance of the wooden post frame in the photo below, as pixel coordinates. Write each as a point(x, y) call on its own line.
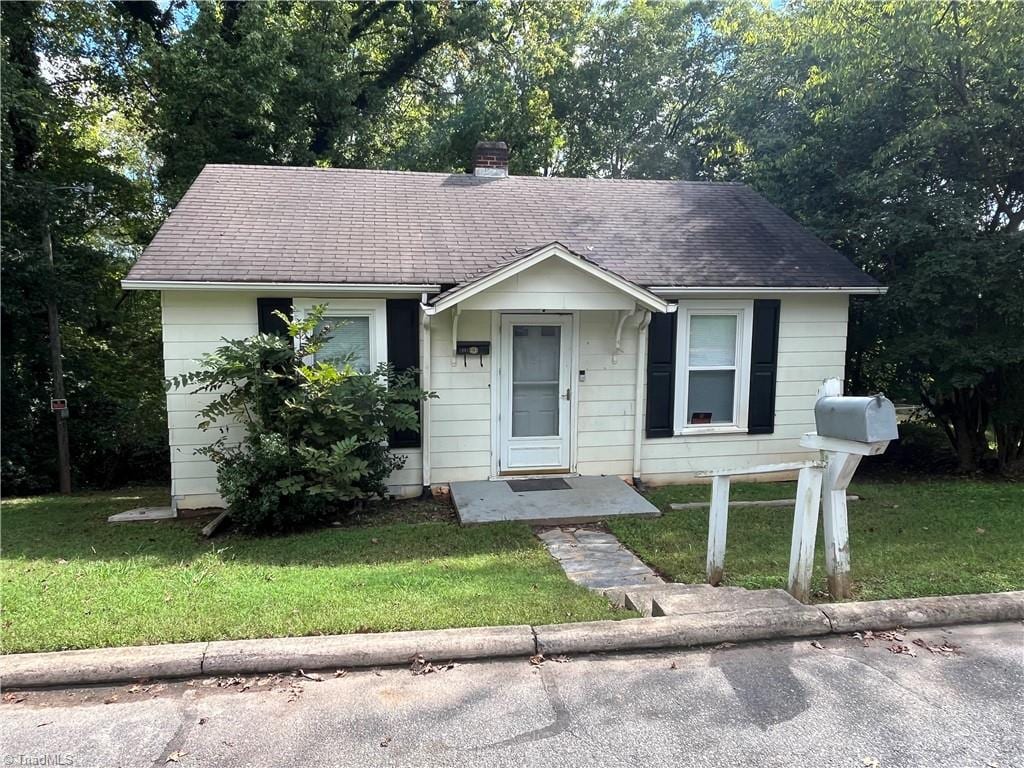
point(718, 520)
point(838, 474)
point(805, 529)
point(718, 516)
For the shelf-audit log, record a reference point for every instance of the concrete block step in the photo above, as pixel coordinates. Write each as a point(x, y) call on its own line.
point(640, 599)
point(721, 599)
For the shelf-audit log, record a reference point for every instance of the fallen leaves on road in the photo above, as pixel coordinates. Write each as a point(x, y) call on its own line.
point(946, 650)
point(13, 698)
point(901, 649)
point(540, 658)
point(40, 725)
point(314, 677)
point(723, 646)
point(673, 665)
point(870, 762)
point(294, 692)
point(175, 757)
point(385, 741)
point(153, 688)
point(897, 646)
point(340, 672)
point(418, 665)
point(895, 636)
point(816, 644)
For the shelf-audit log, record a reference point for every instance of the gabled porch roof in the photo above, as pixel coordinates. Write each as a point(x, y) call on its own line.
point(532, 258)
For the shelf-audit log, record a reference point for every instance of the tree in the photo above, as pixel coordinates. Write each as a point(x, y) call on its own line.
point(638, 100)
point(299, 83)
point(62, 132)
point(894, 131)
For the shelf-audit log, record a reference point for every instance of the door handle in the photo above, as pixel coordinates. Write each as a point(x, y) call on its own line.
point(568, 393)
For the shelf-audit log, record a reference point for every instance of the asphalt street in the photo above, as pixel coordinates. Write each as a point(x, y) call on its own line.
point(837, 701)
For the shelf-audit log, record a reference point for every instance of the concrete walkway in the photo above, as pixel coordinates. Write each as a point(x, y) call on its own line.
point(548, 501)
point(599, 561)
point(596, 559)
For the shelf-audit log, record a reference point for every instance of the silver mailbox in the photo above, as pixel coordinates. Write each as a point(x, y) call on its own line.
point(864, 419)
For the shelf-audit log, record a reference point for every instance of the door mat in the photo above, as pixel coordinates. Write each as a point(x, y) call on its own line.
point(539, 484)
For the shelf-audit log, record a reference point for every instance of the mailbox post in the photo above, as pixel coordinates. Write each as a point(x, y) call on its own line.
point(848, 428)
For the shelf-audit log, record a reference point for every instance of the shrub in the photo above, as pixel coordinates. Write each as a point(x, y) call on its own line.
point(316, 438)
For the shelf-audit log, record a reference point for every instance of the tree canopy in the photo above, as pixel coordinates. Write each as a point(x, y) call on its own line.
point(891, 129)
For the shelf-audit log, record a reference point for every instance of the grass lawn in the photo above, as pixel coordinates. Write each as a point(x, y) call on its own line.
point(71, 580)
point(907, 539)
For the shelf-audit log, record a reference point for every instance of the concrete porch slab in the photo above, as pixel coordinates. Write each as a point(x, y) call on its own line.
point(142, 514)
point(585, 500)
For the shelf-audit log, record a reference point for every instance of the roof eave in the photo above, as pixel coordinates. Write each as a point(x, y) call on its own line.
point(677, 291)
point(322, 289)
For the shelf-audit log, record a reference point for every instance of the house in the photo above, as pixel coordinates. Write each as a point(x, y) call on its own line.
point(645, 329)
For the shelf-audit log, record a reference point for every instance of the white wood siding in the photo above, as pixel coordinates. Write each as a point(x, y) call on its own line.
point(194, 323)
point(606, 400)
point(812, 342)
point(460, 424)
point(812, 347)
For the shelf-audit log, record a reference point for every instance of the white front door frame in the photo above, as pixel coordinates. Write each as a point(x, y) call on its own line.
point(501, 393)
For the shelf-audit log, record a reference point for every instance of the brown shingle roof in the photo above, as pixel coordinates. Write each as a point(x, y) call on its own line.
point(249, 223)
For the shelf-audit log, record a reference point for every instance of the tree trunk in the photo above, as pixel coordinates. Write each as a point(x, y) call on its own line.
point(964, 416)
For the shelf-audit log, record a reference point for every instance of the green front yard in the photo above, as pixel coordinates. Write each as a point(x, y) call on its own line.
point(71, 580)
point(907, 539)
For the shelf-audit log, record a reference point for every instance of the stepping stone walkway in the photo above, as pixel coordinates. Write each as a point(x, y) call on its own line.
point(596, 559)
point(599, 561)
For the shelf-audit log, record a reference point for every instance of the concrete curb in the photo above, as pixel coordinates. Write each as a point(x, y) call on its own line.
point(102, 665)
point(681, 631)
point(243, 657)
point(231, 657)
point(924, 611)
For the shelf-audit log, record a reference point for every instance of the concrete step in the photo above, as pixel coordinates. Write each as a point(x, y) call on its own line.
point(720, 599)
point(640, 598)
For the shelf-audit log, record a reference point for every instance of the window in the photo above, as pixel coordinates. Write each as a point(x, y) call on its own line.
point(348, 341)
point(713, 359)
point(358, 331)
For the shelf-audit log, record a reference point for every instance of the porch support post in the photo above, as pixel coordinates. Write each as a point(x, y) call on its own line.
point(805, 528)
point(640, 391)
point(425, 404)
point(718, 519)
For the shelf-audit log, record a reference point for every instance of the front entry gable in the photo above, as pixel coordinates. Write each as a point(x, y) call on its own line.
point(551, 277)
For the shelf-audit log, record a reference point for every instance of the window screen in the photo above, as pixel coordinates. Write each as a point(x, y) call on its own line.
point(348, 342)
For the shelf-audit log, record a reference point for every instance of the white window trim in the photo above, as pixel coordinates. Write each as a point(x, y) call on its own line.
point(744, 312)
point(375, 309)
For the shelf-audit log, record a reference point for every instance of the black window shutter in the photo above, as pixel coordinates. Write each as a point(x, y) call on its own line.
point(267, 321)
point(764, 363)
point(661, 374)
point(404, 353)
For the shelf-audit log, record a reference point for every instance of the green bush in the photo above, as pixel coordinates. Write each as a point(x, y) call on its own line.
point(316, 439)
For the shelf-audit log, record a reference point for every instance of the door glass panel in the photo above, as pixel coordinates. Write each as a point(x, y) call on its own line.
point(535, 385)
point(710, 397)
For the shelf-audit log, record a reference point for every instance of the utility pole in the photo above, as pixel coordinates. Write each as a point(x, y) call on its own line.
point(56, 362)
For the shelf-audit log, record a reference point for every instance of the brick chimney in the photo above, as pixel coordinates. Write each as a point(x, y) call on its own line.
point(490, 158)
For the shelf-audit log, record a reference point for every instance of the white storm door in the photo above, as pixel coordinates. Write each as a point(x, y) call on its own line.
point(536, 392)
